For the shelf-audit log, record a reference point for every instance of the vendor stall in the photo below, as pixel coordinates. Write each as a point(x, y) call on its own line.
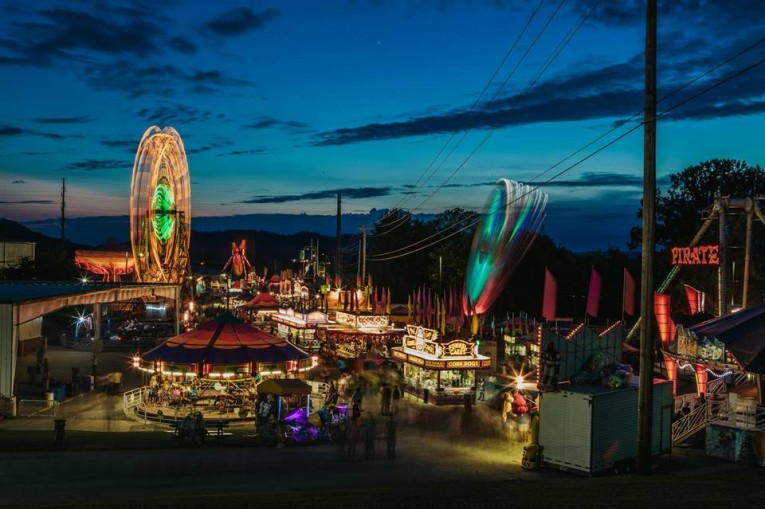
point(363, 338)
point(436, 372)
point(300, 327)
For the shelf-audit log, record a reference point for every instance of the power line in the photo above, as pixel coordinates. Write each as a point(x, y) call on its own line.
point(520, 35)
point(392, 254)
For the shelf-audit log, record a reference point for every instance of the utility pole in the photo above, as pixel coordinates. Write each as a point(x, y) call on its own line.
point(747, 253)
point(338, 262)
point(645, 389)
point(363, 254)
point(63, 207)
point(722, 269)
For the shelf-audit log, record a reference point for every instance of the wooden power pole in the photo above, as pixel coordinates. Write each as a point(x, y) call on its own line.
point(645, 389)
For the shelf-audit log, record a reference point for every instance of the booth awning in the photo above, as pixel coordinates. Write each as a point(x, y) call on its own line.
point(225, 340)
point(743, 334)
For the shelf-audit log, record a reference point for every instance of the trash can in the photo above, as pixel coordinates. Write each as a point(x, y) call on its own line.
point(49, 398)
point(59, 428)
point(425, 396)
point(86, 383)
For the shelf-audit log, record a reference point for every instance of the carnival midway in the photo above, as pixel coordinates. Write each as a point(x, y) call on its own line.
point(303, 357)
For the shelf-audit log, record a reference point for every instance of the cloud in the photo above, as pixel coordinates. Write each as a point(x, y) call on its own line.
point(19, 182)
point(10, 131)
point(63, 34)
point(347, 193)
point(206, 148)
point(119, 143)
point(61, 120)
point(595, 180)
point(292, 126)
point(27, 202)
point(174, 114)
point(182, 45)
point(259, 150)
point(99, 164)
point(161, 79)
point(240, 21)
point(611, 91)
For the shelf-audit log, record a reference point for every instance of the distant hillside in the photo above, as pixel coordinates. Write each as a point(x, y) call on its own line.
point(213, 249)
point(116, 229)
point(11, 230)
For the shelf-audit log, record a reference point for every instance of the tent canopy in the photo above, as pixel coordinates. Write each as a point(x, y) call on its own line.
point(264, 300)
point(284, 387)
point(225, 340)
point(743, 334)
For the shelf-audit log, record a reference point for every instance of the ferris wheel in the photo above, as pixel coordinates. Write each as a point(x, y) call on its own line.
point(160, 208)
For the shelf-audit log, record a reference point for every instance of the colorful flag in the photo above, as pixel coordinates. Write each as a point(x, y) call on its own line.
point(695, 299)
point(550, 296)
point(593, 295)
point(661, 307)
point(628, 297)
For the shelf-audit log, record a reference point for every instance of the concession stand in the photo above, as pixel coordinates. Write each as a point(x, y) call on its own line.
point(438, 372)
point(300, 327)
point(363, 337)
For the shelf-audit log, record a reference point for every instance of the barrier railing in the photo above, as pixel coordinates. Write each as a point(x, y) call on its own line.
point(38, 408)
point(689, 424)
point(131, 399)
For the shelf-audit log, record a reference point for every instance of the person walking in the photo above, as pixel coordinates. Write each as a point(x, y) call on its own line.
point(356, 399)
point(390, 436)
point(370, 429)
point(395, 399)
point(386, 399)
point(481, 388)
point(351, 437)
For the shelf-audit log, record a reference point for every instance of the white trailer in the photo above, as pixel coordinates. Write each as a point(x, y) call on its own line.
point(592, 429)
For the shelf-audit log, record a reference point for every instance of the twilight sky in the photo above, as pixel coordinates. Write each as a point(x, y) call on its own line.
point(421, 104)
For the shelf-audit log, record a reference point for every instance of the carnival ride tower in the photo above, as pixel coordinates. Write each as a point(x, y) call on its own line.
point(160, 208)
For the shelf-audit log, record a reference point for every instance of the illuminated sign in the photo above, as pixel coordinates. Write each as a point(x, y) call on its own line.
point(458, 348)
point(697, 255)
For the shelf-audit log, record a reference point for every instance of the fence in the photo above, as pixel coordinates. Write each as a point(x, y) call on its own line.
point(42, 408)
point(131, 399)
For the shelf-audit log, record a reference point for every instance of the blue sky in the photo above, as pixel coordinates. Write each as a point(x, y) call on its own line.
point(280, 104)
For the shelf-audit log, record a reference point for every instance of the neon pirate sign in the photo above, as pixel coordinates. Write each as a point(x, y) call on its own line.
point(697, 255)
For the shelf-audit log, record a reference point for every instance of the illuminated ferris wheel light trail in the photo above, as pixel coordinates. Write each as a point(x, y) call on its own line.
point(514, 215)
point(160, 207)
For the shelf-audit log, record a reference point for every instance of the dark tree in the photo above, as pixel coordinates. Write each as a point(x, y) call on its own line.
point(680, 212)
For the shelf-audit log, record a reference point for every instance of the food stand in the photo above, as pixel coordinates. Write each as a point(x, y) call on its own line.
point(436, 372)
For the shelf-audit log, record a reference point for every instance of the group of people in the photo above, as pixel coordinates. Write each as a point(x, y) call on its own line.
point(516, 415)
point(390, 397)
point(357, 429)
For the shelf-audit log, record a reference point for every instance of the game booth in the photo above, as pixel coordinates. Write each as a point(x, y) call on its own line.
point(214, 369)
point(300, 327)
point(362, 340)
point(442, 373)
point(726, 356)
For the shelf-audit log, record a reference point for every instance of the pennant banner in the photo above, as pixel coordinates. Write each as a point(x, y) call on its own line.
point(593, 295)
point(551, 292)
point(628, 298)
point(661, 307)
point(695, 299)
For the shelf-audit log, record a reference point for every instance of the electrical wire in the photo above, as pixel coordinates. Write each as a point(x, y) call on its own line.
point(520, 35)
point(390, 255)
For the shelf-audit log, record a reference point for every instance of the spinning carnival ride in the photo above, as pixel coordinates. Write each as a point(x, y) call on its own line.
point(513, 215)
point(160, 208)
